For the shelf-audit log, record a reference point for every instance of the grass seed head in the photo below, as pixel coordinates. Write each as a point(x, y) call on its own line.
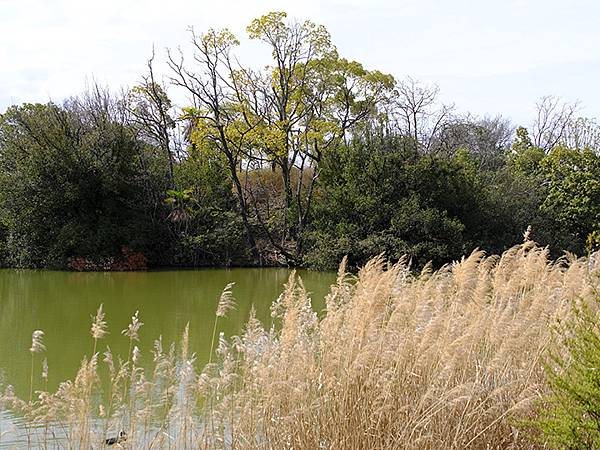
point(99, 328)
point(133, 328)
point(37, 342)
point(226, 301)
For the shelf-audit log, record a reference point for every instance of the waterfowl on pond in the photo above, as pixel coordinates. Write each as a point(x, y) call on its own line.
point(115, 440)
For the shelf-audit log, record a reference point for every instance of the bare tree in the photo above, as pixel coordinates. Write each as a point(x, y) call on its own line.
point(421, 116)
point(213, 117)
point(552, 121)
point(582, 133)
point(149, 107)
point(486, 138)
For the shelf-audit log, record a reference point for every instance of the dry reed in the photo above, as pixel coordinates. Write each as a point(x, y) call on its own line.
point(449, 359)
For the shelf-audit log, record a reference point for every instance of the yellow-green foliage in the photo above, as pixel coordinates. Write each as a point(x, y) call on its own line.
point(451, 359)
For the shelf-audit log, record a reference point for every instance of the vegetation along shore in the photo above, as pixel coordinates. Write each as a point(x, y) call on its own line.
point(300, 163)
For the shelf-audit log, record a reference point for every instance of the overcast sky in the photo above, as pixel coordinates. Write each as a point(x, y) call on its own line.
point(487, 57)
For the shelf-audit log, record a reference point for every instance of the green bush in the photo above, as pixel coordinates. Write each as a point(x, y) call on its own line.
point(74, 183)
point(569, 415)
point(378, 197)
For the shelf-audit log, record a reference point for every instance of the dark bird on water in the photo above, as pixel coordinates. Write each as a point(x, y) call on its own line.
point(115, 440)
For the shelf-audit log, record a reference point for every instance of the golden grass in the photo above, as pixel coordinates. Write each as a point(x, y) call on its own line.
point(449, 359)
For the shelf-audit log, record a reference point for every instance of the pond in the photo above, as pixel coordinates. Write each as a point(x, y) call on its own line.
point(62, 305)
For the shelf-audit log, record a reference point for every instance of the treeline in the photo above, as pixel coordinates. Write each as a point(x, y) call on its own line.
point(300, 163)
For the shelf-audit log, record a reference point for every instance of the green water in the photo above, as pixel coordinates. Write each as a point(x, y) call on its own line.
point(62, 303)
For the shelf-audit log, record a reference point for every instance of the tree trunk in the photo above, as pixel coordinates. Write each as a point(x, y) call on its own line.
point(243, 209)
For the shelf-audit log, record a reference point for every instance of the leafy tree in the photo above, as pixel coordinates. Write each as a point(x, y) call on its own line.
point(74, 183)
point(285, 117)
point(525, 157)
point(563, 191)
point(573, 200)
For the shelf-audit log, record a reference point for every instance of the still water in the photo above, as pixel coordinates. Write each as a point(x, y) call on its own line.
point(62, 304)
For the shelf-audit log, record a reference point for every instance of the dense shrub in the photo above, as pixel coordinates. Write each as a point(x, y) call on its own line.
point(206, 228)
point(377, 197)
point(74, 184)
point(569, 415)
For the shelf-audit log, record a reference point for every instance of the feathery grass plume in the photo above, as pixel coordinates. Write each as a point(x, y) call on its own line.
point(37, 342)
point(136, 381)
point(340, 290)
point(527, 234)
point(132, 332)
point(99, 327)
point(133, 328)
point(37, 346)
point(117, 375)
point(108, 359)
point(185, 403)
point(78, 402)
point(185, 342)
point(226, 301)
point(226, 304)
point(130, 371)
point(443, 359)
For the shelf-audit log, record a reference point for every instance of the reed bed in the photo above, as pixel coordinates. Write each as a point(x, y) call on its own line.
point(446, 359)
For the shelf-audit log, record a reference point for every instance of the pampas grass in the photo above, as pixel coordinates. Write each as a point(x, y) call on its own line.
point(446, 359)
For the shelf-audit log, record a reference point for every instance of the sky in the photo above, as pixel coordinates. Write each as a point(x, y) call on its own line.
point(487, 57)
